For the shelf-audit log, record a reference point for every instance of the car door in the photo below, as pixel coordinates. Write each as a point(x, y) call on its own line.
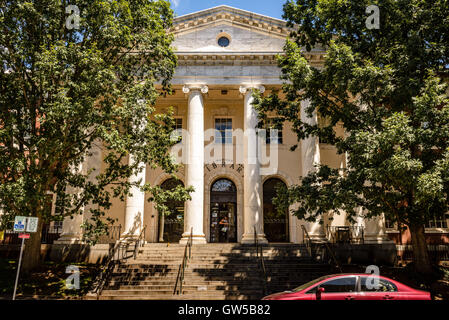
point(341, 288)
point(383, 290)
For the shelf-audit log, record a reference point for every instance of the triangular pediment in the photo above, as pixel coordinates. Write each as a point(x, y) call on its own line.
point(247, 31)
point(231, 16)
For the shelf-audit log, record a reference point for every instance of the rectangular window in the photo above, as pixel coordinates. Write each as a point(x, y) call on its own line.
point(438, 222)
point(274, 135)
point(177, 133)
point(323, 123)
point(223, 130)
point(390, 223)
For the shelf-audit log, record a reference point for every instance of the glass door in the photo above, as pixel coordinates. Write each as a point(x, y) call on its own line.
point(223, 223)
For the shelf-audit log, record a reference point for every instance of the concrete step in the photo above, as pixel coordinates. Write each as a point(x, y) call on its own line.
point(133, 292)
point(214, 272)
point(184, 297)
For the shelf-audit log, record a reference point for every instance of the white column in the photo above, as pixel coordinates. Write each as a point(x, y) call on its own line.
point(71, 227)
point(252, 184)
point(310, 156)
point(94, 163)
point(71, 230)
point(135, 202)
point(194, 214)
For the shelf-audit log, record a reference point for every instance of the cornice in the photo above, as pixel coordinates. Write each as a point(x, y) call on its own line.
point(240, 58)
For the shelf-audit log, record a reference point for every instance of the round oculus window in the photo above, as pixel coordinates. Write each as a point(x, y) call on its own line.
point(223, 41)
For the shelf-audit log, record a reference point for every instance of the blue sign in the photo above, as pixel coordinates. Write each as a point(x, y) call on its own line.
point(19, 224)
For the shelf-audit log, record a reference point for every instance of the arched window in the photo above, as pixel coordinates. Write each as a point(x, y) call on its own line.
point(223, 185)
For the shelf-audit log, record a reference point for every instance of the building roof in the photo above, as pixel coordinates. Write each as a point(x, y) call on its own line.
point(237, 17)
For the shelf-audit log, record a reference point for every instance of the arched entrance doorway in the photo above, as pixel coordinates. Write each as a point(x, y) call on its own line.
point(171, 227)
point(275, 224)
point(223, 213)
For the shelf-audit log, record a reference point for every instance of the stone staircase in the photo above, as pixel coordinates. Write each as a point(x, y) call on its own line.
point(215, 272)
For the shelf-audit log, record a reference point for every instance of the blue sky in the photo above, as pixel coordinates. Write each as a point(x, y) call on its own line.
point(271, 8)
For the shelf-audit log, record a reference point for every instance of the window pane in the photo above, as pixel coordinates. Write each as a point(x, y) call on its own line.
point(223, 133)
point(384, 285)
point(339, 285)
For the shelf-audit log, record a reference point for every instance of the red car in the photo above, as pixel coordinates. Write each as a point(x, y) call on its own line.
point(351, 287)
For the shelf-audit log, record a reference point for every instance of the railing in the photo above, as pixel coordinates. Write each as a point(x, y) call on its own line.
point(346, 234)
point(437, 253)
point(10, 237)
point(259, 256)
point(139, 242)
point(49, 235)
point(117, 254)
point(332, 254)
point(306, 240)
point(183, 265)
point(114, 234)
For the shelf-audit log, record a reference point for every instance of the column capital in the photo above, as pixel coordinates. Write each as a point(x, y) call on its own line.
point(245, 87)
point(187, 88)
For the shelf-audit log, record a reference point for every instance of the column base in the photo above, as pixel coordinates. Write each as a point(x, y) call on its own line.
point(319, 237)
point(69, 239)
point(248, 238)
point(196, 239)
point(376, 238)
point(128, 236)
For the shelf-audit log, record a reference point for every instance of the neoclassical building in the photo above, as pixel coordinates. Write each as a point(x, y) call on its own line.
point(223, 55)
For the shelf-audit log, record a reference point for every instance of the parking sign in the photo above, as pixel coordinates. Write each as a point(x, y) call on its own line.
point(32, 224)
point(19, 224)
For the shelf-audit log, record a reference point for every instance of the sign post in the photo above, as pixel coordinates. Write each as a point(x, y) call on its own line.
point(22, 224)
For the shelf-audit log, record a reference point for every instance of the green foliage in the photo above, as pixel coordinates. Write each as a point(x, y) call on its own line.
point(387, 89)
point(48, 280)
point(64, 91)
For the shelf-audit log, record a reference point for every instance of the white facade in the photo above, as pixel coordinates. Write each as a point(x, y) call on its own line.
point(213, 83)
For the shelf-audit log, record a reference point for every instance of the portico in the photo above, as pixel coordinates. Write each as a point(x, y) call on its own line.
point(224, 55)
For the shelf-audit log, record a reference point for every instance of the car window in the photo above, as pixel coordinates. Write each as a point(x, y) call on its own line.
point(308, 284)
point(368, 285)
point(346, 284)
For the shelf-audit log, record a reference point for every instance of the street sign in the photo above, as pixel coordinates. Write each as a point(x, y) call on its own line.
point(32, 224)
point(2, 235)
point(19, 224)
point(22, 224)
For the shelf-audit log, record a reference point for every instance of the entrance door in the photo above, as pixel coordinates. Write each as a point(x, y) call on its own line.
point(223, 213)
point(275, 224)
point(171, 226)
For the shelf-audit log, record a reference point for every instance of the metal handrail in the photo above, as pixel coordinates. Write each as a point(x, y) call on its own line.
point(305, 236)
point(356, 233)
point(183, 265)
point(332, 254)
point(139, 242)
point(308, 243)
point(116, 255)
point(261, 261)
point(106, 271)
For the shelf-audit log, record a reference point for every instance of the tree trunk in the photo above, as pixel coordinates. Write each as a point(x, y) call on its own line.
point(420, 253)
point(32, 252)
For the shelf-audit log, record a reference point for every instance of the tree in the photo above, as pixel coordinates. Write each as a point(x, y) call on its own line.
point(386, 88)
point(72, 78)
